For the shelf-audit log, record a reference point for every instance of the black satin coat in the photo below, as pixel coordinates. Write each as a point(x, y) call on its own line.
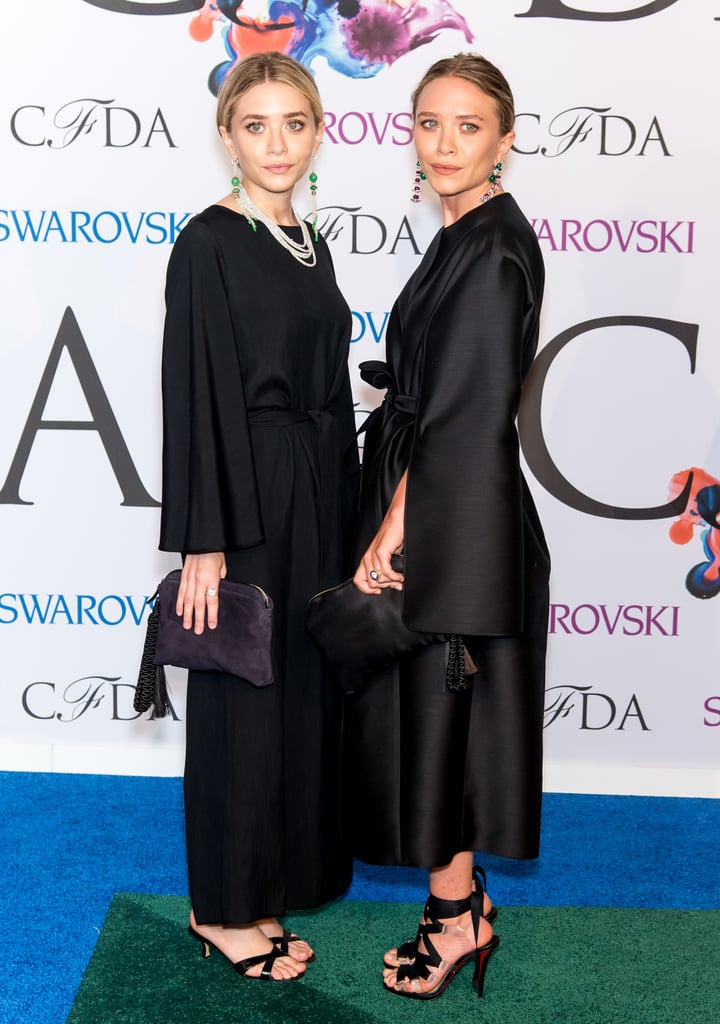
point(428, 773)
point(460, 341)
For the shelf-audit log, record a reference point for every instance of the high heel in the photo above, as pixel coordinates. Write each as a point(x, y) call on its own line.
point(406, 951)
point(423, 962)
point(482, 959)
point(243, 966)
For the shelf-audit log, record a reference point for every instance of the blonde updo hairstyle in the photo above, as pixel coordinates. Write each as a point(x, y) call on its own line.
point(266, 67)
point(480, 72)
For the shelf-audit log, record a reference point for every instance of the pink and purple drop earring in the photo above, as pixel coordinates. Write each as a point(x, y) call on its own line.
point(419, 176)
point(494, 179)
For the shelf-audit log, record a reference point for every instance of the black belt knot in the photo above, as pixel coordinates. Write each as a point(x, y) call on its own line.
point(378, 375)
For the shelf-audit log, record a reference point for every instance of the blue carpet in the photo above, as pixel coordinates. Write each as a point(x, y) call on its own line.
point(68, 843)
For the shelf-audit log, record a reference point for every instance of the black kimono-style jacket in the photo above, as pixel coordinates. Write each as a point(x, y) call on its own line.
point(460, 342)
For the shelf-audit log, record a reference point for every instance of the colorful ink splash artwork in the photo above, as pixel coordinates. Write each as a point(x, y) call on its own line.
point(358, 38)
point(702, 514)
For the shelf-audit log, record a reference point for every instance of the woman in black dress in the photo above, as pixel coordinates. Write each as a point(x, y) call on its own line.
point(257, 418)
point(433, 774)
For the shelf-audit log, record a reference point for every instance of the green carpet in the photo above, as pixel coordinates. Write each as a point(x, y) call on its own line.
point(568, 965)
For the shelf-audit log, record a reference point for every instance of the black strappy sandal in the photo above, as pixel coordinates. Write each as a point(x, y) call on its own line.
point(437, 910)
point(243, 966)
point(282, 942)
point(407, 951)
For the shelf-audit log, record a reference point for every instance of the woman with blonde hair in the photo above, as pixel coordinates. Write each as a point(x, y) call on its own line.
point(258, 416)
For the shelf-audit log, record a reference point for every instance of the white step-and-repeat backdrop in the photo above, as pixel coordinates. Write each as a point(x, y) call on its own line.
point(109, 147)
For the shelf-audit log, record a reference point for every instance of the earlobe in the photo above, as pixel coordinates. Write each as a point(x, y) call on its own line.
point(227, 142)
point(318, 137)
point(506, 144)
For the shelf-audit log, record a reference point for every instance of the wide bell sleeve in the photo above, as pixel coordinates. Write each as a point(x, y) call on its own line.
point(209, 500)
point(463, 511)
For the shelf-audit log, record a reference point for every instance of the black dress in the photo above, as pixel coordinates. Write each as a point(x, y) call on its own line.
point(258, 418)
point(429, 773)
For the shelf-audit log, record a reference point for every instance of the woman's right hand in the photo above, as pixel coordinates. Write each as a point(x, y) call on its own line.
point(375, 571)
point(197, 600)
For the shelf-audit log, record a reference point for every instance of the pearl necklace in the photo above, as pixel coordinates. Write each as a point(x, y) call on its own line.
point(303, 251)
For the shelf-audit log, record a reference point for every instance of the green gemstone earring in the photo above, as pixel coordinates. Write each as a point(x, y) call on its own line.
point(313, 200)
point(495, 174)
point(235, 182)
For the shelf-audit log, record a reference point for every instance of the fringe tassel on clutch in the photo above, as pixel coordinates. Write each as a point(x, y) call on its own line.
point(460, 666)
point(151, 690)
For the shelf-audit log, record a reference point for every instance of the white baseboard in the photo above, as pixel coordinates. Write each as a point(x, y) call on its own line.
point(630, 780)
point(85, 760)
point(559, 777)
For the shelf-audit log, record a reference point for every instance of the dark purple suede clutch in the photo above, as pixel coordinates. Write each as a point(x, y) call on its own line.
point(239, 645)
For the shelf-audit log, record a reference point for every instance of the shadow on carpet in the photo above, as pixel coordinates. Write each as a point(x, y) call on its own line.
point(567, 965)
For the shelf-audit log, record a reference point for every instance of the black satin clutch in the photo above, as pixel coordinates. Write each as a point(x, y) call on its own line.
point(239, 645)
point(361, 633)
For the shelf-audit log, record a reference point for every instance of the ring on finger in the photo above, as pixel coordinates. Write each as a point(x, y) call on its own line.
point(212, 592)
point(375, 575)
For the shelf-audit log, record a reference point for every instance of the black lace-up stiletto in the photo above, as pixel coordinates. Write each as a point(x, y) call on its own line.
point(405, 952)
point(428, 960)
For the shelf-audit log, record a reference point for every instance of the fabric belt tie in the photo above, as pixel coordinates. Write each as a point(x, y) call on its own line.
point(378, 375)
point(324, 462)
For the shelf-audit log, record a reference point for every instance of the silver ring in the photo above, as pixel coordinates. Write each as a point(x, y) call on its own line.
point(375, 575)
point(211, 592)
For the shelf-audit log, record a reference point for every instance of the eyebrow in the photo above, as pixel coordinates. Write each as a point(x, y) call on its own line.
point(458, 117)
point(264, 117)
